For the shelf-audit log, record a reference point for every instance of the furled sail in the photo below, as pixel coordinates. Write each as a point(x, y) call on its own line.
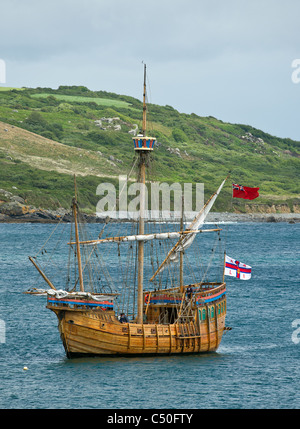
point(186, 240)
point(59, 294)
point(144, 237)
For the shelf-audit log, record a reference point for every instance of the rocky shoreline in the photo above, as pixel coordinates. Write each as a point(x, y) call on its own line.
point(253, 217)
point(47, 216)
point(15, 210)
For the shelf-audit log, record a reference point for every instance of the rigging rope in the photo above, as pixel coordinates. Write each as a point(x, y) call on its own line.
point(61, 219)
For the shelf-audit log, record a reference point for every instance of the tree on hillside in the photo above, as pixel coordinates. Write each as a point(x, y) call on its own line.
point(35, 118)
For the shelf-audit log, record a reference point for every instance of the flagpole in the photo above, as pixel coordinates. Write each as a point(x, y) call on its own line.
point(224, 266)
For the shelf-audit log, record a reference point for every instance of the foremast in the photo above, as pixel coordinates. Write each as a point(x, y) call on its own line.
point(143, 145)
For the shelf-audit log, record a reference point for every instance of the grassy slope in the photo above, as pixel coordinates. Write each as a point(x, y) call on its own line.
point(61, 138)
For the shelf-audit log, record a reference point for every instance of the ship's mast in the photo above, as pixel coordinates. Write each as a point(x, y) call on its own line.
point(142, 180)
point(144, 103)
point(181, 253)
point(143, 145)
point(75, 214)
point(141, 243)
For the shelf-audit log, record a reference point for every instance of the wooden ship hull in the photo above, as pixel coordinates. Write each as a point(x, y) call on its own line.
point(96, 331)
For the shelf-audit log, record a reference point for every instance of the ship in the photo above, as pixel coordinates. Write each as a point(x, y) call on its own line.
point(177, 317)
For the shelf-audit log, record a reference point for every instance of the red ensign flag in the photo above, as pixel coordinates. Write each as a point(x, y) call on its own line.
point(245, 192)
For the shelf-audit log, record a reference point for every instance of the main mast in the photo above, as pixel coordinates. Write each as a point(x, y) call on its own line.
point(75, 214)
point(181, 253)
point(142, 144)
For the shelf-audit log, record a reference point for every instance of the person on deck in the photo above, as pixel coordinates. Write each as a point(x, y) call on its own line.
point(189, 292)
point(123, 318)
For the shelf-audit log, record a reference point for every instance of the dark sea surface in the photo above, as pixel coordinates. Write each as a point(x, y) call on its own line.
point(255, 367)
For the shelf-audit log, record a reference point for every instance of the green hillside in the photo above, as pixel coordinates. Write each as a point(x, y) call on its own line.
point(47, 135)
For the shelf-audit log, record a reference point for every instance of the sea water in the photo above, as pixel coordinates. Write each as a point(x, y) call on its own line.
point(255, 367)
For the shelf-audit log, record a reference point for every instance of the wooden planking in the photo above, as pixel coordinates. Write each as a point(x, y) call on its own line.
point(100, 333)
